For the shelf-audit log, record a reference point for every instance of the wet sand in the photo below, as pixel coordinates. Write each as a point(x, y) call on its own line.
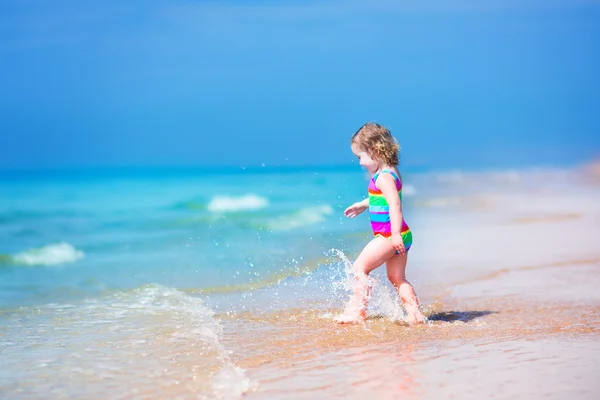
point(512, 313)
point(515, 346)
point(498, 346)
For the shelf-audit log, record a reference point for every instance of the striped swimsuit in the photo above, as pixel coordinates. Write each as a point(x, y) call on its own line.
point(379, 211)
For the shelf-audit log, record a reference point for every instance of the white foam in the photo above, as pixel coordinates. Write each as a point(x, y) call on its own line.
point(230, 382)
point(303, 217)
point(166, 342)
point(52, 254)
point(240, 203)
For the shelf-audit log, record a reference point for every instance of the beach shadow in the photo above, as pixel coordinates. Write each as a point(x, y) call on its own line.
point(463, 316)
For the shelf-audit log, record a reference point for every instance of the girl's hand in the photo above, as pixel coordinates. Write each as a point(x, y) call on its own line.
point(355, 209)
point(398, 243)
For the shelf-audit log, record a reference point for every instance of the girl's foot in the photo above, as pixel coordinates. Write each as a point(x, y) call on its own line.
point(349, 319)
point(411, 304)
point(414, 314)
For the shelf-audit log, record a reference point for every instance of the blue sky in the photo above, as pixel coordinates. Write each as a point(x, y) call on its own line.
point(481, 83)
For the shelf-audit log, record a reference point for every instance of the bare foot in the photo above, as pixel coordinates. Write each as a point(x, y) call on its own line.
point(351, 315)
point(348, 319)
point(411, 304)
point(355, 310)
point(414, 315)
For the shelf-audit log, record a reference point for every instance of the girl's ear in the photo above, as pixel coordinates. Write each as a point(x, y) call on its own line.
point(375, 156)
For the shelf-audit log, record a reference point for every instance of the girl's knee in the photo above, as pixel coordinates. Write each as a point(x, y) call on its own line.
point(360, 269)
point(362, 283)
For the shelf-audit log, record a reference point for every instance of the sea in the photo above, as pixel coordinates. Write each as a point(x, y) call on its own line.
point(206, 283)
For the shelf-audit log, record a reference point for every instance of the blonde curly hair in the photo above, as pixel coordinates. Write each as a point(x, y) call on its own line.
point(378, 141)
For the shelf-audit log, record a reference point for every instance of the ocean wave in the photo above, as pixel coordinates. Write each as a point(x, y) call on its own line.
point(240, 203)
point(165, 341)
point(52, 254)
point(303, 217)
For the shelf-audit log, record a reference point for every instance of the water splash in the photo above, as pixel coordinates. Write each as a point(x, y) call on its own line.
point(383, 298)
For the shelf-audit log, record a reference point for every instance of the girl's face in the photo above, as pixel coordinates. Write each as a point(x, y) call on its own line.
point(365, 159)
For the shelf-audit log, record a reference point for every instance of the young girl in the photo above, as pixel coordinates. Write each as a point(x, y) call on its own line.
point(377, 151)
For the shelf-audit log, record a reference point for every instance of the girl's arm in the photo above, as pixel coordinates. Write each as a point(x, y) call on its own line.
point(356, 208)
point(387, 185)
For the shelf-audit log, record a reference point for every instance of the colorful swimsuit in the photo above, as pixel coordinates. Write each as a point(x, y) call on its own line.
point(379, 211)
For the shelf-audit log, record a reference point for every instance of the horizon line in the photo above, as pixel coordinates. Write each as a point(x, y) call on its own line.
point(287, 168)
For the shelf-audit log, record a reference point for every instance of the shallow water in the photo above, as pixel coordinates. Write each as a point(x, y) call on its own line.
point(108, 294)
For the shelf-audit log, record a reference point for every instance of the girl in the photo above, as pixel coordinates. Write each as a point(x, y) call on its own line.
point(377, 151)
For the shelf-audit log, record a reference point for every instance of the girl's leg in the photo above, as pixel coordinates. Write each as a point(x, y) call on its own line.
point(396, 269)
point(375, 253)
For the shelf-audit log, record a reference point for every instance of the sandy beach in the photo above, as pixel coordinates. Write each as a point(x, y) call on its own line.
point(506, 265)
point(511, 295)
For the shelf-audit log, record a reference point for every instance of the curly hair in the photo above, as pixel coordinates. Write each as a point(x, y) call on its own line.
point(378, 141)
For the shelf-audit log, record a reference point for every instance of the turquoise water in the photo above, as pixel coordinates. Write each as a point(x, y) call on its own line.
point(115, 276)
point(66, 235)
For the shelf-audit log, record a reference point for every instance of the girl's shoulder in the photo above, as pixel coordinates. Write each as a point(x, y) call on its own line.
point(388, 171)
